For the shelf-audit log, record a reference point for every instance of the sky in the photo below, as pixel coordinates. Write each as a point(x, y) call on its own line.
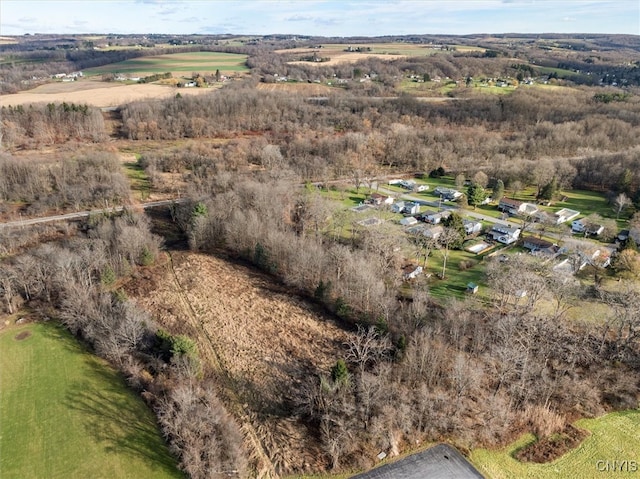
point(319, 17)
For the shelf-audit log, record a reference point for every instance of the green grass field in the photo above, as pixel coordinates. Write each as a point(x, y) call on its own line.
point(66, 414)
point(201, 62)
point(614, 437)
point(138, 178)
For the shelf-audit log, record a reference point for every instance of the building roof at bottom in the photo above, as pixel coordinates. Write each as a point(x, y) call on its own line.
point(438, 462)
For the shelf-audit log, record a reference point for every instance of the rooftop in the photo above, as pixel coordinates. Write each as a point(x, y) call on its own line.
point(438, 462)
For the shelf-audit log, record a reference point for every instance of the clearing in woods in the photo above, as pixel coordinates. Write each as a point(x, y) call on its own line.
point(66, 413)
point(614, 437)
point(258, 340)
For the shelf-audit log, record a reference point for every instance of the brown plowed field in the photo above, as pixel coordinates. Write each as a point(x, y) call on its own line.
point(258, 340)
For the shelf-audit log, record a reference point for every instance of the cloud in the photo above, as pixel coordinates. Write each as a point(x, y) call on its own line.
point(299, 18)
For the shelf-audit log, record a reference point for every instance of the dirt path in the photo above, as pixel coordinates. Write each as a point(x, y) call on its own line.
point(210, 354)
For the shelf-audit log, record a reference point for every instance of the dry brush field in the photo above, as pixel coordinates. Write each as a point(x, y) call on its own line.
point(256, 339)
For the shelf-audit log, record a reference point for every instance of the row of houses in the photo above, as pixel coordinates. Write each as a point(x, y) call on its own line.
point(520, 208)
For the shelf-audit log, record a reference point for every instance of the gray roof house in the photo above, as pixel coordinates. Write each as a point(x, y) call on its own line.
point(435, 218)
point(505, 234)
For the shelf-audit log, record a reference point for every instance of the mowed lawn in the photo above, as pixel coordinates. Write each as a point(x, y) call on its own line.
point(200, 62)
point(614, 437)
point(65, 414)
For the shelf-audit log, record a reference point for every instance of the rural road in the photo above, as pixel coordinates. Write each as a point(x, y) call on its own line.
point(84, 214)
point(438, 204)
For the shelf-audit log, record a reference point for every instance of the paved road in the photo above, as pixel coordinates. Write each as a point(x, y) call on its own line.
point(438, 204)
point(84, 214)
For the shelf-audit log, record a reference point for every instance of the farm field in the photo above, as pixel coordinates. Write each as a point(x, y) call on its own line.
point(613, 437)
point(66, 414)
point(201, 62)
point(96, 93)
point(389, 51)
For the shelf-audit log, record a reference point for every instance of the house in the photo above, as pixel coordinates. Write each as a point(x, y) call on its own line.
point(471, 227)
point(435, 218)
point(411, 271)
point(564, 215)
point(378, 199)
point(397, 207)
point(581, 253)
point(586, 227)
point(447, 193)
point(535, 244)
point(578, 226)
point(515, 207)
point(411, 208)
point(408, 184)
point(504, 234)
point(433, 232)
point(528, 209)
point(408, 221)
point(623, 235)
point(509, 206)
point(541, 248)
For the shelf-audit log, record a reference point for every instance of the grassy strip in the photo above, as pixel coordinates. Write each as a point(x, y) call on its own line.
point(65, 413)
point(614, 437)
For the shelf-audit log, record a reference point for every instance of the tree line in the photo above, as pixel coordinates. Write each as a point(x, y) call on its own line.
point(417, 369)
point(74, 280)
point(85, 180)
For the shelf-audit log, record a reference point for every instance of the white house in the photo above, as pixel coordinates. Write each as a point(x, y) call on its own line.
point(583, 226)
point(515, 207)
point(505, 234)
point(378, 199)
point(435, 218)
point(578, 226)
point(471, 227)
point(397, 207)
point(565, 214)
point(411, 208)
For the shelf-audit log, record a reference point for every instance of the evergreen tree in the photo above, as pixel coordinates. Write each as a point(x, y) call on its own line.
point(549, 190)
point(476, 194)
point(339, 372)
point(455, 222)
point(498, 190)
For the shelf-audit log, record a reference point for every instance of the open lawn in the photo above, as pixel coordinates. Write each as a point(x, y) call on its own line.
point(201, 62)
point(66, 414)
point(455, 283)
point(614, 437)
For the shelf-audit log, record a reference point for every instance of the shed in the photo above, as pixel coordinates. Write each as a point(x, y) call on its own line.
point(472, 288)
point(408, 221)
